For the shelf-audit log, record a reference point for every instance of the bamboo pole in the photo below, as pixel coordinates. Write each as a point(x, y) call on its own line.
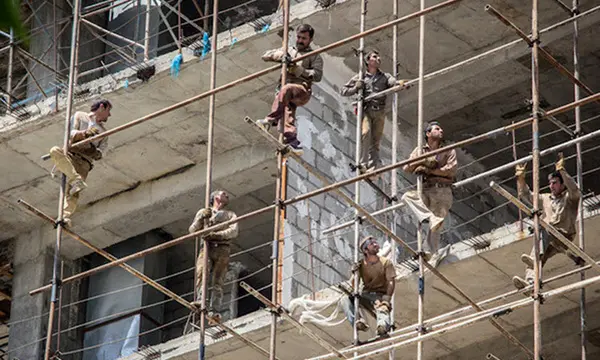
point(209, 161)
point(322, 190)
point(56, 280)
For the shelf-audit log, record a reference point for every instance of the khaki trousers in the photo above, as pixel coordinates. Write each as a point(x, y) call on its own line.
point(372, 131)
point(218, 264)
point(549, 246)
point(75, 168)
point(436, 201)
point(287, 100)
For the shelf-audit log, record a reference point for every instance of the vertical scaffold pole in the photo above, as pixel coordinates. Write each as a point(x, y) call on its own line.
point(279, 184)
point(394, 175)
point(359, 120)
point(535, 97)
point(577, 96)
point(147, 31)
point(56, 280)
point(209, 158)
point(420, 132)
point(9, 72)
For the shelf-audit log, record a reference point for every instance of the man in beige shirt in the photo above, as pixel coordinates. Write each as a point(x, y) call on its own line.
point(78, 161)
point(298, 88)
point(219, 246)
point(559, 209)
point(438, 175)
point(377, 276)
point(373, 121)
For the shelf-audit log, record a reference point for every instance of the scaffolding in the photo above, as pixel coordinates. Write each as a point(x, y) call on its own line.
point(424, 329)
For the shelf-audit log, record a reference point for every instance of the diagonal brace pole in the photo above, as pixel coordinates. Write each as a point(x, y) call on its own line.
point(551, 229)
point(378, 224)
point(542, 50)
point(283, 312)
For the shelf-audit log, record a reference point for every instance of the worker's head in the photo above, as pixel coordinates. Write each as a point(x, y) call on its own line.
point(372, 59)
point(434, 131)
point(101, 109)
point(219, 199)
point(369, 246)
point(556, 183)
point(304, 35)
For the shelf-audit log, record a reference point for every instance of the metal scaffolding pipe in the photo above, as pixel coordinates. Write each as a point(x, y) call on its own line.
point(56, 280)
point(261, 73)
point(512, 164)
point(322, 190)
point(481, 316)
point(108, 256)
point(362, 218)
point(379, 225)
point(208, 187)
point(481, 56)
point(9, 72)
point(107, 32)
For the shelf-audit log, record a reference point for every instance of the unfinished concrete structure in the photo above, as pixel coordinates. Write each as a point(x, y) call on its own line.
point(152, 181)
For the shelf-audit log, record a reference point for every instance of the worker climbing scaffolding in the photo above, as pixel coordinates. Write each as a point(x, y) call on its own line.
point(298, 88)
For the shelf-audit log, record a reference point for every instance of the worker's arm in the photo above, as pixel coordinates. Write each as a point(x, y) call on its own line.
point(571, 185)
point(274, 55)
point(448, 169)
point(390, 279)
point(198, 223)
point(352, 86)
point(316, 73)
point(76, 134)
point(522, 187)
point(229, 233)
point(410, 168)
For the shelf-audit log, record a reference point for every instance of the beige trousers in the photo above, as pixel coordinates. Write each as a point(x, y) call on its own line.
point(436, 201)
point(370, 140)
point(218, 264)
point(75, 168)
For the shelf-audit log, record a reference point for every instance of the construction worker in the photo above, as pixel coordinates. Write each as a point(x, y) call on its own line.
point(219, 246)
point(297, 90)
point(373, 121)
point(377, 275)
point(559, 209)
point(78, 161)
point(438, 175)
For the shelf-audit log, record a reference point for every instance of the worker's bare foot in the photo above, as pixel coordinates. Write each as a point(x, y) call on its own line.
point(77, 186)
point(361, 325)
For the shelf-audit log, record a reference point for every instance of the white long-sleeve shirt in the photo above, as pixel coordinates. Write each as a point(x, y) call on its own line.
point(82, 121)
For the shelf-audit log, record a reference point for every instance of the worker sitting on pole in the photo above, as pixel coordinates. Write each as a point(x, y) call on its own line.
point(377, 275)
point(219, 246)
point(297, 90)
point(78, 161)
point(438, 175)
point(373, 120)
point(559, 209)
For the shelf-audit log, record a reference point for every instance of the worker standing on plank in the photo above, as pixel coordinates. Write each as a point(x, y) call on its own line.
point(219, 246)
point(78, 161)
point(373, 121)
point(377, 275)
point(298, 88)
point(559, 209)
point(438, 175)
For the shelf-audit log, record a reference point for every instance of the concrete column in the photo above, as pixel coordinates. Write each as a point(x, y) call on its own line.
point(31, 270)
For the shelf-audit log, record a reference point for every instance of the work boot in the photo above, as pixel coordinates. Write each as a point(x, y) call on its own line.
point(77, 186)
point(66, 222)
point(297, 149)
point(361, 325)
point(265, 123)
point(439, 255)
point(382, 330)
point(520, 284)
point(527, 260)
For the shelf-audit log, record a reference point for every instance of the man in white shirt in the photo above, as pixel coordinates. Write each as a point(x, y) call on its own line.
point(78, 161)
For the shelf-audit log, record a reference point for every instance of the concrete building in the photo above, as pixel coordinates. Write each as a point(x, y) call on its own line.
point(149, 186)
